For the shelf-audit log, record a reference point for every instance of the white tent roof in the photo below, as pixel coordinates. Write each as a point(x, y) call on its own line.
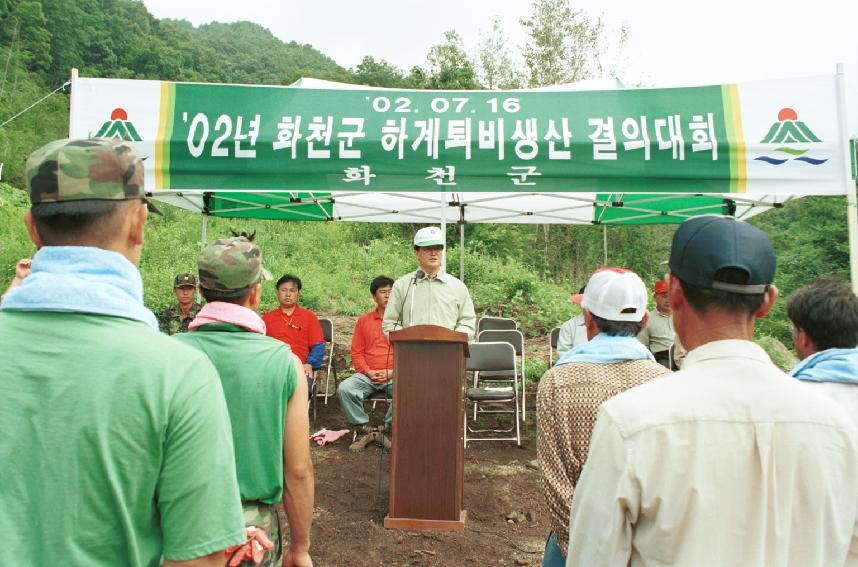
point(515, 208)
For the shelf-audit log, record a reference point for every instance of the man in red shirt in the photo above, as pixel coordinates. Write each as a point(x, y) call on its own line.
point(372, 357)
point(297, 327)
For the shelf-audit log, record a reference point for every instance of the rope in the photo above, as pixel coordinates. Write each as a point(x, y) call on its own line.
point(64, 85)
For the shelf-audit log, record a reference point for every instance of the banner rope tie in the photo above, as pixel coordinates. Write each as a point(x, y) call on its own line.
point(64, 85)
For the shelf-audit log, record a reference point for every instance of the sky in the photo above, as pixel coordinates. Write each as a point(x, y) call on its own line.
point(671, 42)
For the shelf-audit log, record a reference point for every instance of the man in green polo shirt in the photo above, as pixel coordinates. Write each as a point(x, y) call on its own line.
point(266, 395)
point(116, 446)
point(429, 295)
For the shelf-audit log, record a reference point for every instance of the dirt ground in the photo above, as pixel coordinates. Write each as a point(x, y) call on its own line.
point(506, 520)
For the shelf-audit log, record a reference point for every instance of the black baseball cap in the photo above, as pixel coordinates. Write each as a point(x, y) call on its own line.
point(704, 245)
point(185, 280)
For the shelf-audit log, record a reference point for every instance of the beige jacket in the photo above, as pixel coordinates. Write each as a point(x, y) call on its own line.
point(729, 462)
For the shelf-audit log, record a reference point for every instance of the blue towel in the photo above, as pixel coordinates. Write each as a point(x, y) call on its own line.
point(830, 365)
point(78, 279)
point(607, 349)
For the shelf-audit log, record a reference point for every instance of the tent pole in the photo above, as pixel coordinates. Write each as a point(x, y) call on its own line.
point(444, 230)
point(849, 186)
point(73, 98)
point(605, 244)
point(205, 227)
point(203, 245)
point(462, 251)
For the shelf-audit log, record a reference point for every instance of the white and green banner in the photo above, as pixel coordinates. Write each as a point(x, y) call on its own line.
point(781, 137)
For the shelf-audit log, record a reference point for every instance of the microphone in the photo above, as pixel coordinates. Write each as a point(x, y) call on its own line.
point(418, 275)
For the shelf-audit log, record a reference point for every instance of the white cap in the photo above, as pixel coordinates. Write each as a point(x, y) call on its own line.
point(429, 236)
point(615, 294)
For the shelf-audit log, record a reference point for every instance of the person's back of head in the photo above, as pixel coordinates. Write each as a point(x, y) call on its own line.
point(722, 263)
point(87, 193)
point(827, 310)
point(724, 267)
point(231, 271)
point(616, 300)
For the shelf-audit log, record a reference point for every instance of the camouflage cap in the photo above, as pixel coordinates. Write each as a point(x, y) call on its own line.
point(185, 280)
point(99, 169)
point(230, 264)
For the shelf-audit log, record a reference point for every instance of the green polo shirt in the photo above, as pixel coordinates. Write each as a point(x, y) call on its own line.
point(443, 301)
point(115, 445)
point(258, 379)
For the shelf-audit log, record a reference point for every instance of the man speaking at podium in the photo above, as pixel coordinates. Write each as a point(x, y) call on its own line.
point(429, 296)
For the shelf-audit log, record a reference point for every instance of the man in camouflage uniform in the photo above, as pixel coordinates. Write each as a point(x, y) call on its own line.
point(176, 319)
point(116, 439)
point(265, 391)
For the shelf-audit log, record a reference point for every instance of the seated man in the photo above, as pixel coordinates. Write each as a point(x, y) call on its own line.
point(176, 319)
point(573, 332)
point(264, 392)
point(297, 327)
point(372, 358)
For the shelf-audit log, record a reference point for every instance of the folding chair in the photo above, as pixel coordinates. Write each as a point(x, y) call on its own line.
point(492, 358)
point(552, 345)
point(516, 339)
point(329, 365)
point(495, 324)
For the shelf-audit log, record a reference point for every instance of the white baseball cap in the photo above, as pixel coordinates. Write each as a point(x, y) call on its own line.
point(429, 236)
point(615, 294)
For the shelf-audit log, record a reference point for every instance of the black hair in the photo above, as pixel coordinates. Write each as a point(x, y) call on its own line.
point(236, 296)
point(378, 283)
point(289, 278)
point(827, 310)
point(617, 328)
point(249, 236)
point(704, 299)
point(85, 222)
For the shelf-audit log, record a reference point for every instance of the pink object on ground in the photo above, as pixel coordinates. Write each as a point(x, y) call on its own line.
point(324, 437)
point(221, 312)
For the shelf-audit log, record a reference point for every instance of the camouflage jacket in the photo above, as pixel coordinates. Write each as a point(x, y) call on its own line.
point(170, 321)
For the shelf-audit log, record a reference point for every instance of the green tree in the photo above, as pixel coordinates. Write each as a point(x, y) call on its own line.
point(416, 79)
point(564, 46)
point(449, 65)
point(377, 73)
point(28, 34)
point(496, 67)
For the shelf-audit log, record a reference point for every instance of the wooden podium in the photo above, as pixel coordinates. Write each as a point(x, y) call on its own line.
point(427, 456)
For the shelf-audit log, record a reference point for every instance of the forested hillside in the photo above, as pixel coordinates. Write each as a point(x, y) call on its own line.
point(524, 271)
